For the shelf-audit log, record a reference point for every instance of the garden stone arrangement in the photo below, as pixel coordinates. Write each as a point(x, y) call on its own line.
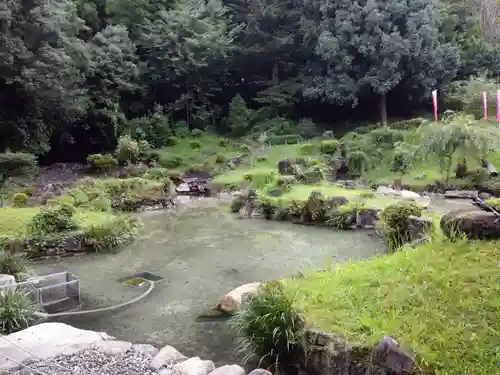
point(60, 349)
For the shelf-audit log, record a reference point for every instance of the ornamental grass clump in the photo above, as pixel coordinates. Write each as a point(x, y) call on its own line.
point(268, 326)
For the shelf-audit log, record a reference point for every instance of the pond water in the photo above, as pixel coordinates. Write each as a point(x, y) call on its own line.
point(203, 252)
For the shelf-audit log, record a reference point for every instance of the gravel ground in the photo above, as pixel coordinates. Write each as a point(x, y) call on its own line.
point(93, 362)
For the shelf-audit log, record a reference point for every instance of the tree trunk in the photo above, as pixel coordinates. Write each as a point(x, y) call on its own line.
point(276, 72)
point(383, 109)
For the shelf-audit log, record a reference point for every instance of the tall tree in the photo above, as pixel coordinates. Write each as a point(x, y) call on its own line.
point(182, 43)
point(42, 64)
point(370, 47)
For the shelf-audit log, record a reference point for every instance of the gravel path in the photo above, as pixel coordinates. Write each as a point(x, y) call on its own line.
point(93, 362)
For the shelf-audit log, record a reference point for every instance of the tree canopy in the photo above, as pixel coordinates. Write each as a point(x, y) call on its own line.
point(95, 67)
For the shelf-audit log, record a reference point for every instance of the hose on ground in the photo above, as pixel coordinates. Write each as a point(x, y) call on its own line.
point(102, 309)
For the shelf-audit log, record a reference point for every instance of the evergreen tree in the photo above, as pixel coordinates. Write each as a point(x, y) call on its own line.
point(370, 47)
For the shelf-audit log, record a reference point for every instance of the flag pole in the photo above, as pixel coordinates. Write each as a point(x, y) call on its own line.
point(485, 106)
point(498, 108)
point(435, 104)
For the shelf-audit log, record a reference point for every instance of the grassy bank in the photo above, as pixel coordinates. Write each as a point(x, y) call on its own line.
point(40, 230)
point(14, 221)
point(208, 150)
point(440, 301)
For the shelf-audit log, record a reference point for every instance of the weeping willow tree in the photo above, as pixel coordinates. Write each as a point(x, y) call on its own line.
point(458, 135)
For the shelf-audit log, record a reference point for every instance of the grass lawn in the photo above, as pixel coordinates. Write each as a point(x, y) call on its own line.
point(302, 192)
point(210, 147)
point(13, 221)
point(441, 301)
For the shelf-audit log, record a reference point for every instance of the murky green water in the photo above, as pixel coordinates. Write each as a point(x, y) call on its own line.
point(203, 252)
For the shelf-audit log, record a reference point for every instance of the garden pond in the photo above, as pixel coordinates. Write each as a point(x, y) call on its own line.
point(203, 252)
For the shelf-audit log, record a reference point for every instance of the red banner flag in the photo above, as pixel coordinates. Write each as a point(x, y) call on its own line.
point(498, 107)
point(485, 106)
point(435, 104)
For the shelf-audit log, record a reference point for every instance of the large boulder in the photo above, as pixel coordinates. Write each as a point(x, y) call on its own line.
point(46, 340)
point(167, 356)
point(473, 222)
point(228, 370)
point(7, 280)
point(194, 366)
point(460, 194)
point(231, 302)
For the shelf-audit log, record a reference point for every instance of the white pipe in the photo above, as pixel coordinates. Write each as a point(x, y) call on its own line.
point(109, 308)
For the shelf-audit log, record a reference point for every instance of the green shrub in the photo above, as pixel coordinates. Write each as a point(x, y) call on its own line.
point(194, 145)
point(53, 220)
point(401, 161)
point(309, 176)
point(19, 200)
point(46, 197)
point(171, 161)
point(29, 190)
point(197, 133)
point(181, 129)
point(478, 176)
point(491, 186)
point(394, 224)
point(268, 326)
point(193, 168)
point(285, 139)
point(221, 158)
point(154, 128)
point(152, 156)
point(343, 217)
point(305, 161)
point(17, 309)
point(223, 142)
point(175, 176)
point(102, 162)
point(172, 141)
point(259, 179)
point(157, 174)
point(261, 159)
point(106, 236)
point(307, 128)
point(246, 149)
point(494, 202)
point(312, 211)
point(134, 170)
point(368, 195)
point(357, 162)
point(308, 149)
point(13, 163)
point(127, 150)
point(286, 181)
point(237, 204)
point(329, 146)
point(13, 265)
point(386, 137)
point(144, 149)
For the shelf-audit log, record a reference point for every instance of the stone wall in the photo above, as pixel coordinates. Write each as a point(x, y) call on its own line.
point(327, 353)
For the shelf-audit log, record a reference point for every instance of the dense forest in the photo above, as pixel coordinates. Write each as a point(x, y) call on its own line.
point(76, 74)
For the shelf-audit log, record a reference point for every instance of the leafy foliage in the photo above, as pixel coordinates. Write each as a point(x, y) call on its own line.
point(457, 135)
point(393, 222)
point(19, 200)
point(17, 309)
point(53, 220)
point(13, 265)
point(269, 326)
point(102, 162)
